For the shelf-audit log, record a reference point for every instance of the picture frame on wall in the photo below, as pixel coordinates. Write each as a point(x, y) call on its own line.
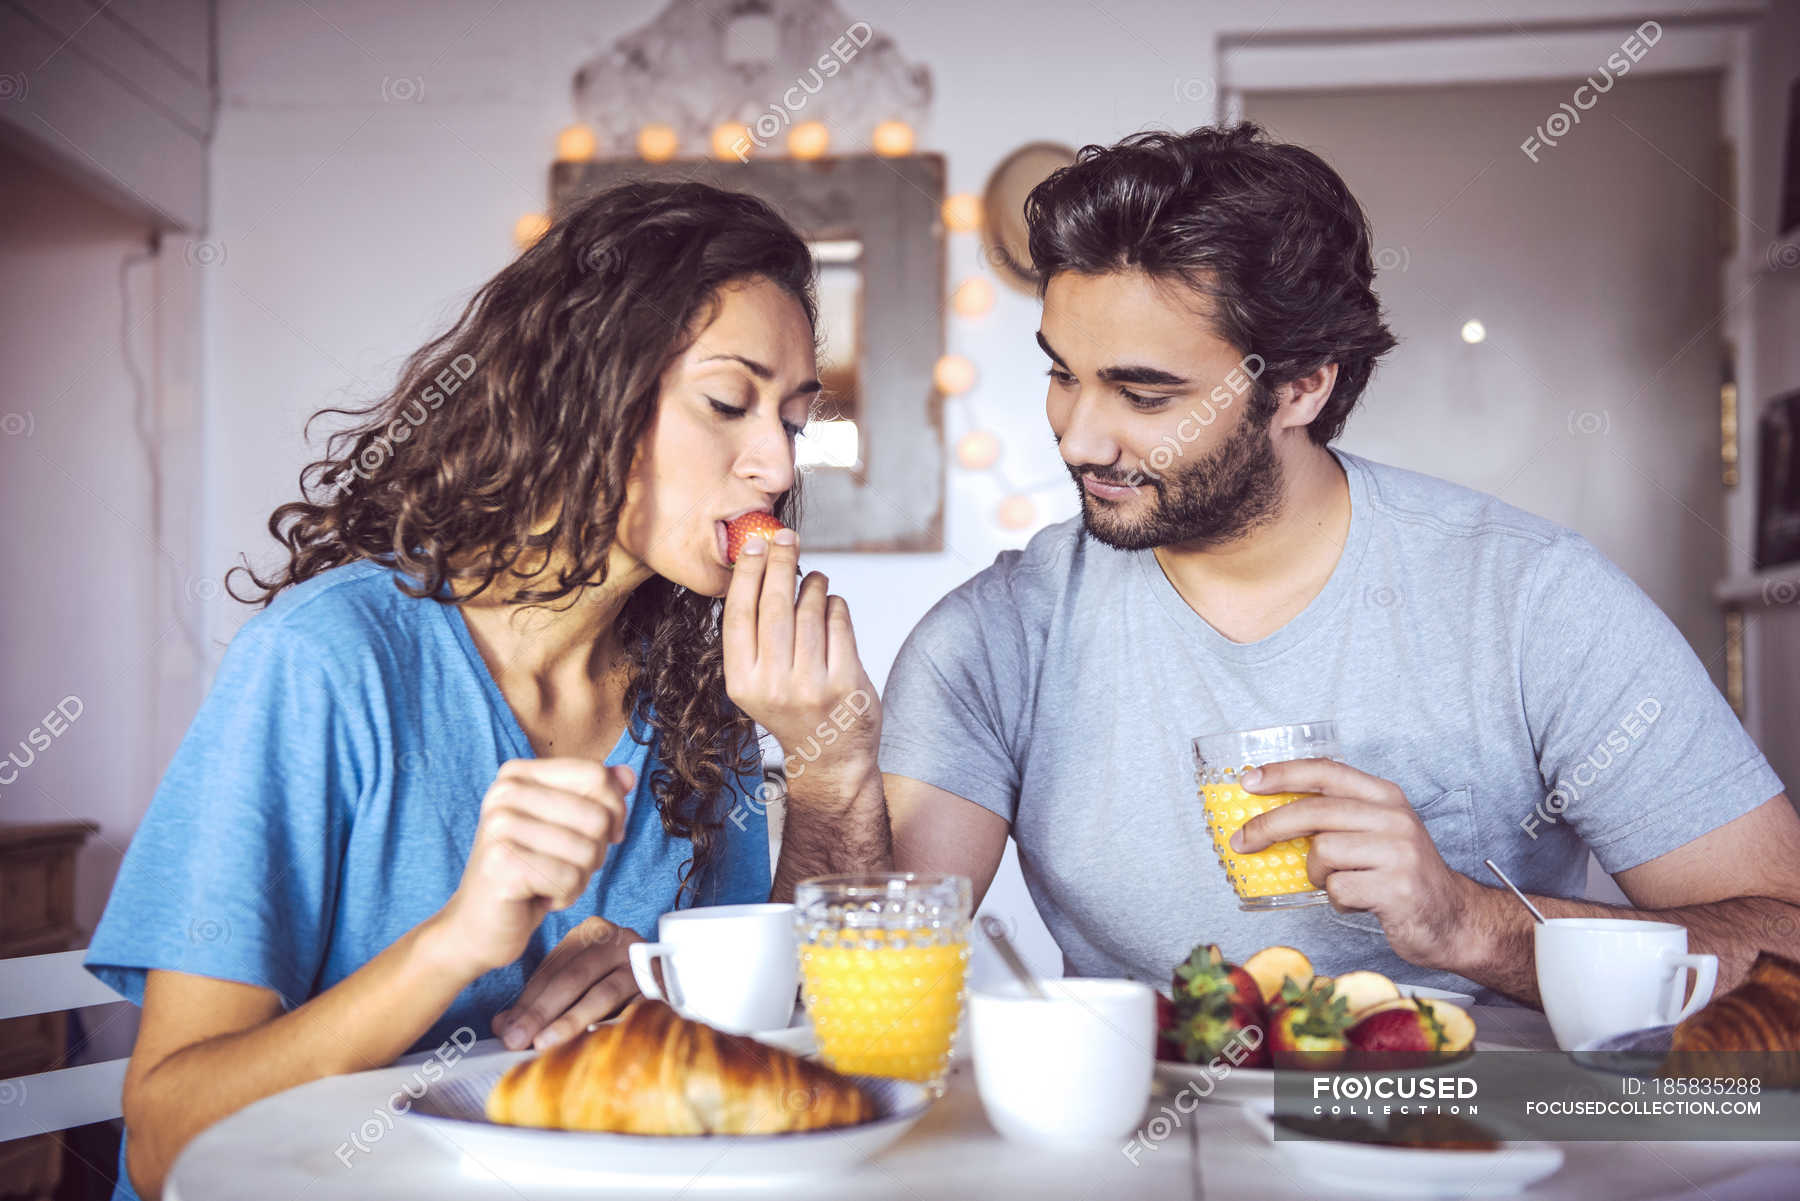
point(1778, 483)
point(1790, 167)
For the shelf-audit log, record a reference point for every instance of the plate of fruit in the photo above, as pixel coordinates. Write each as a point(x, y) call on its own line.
point(1229, 1028)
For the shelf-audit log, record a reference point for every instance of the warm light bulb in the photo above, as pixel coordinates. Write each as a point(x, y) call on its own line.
point(657, 143)
point(576, 144)
point(953, 375)
point(893, 139)
point(732, 141)
point(973, 297)
point(529, 228)
point(977, 450)
point(1473, 332)
point(962, 213)
point(1017, 512)
point(808, 139)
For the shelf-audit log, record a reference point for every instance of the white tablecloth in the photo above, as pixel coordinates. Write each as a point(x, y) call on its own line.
point(284, 1149)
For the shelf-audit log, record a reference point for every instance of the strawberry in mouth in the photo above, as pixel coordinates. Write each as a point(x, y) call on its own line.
point(741, 529)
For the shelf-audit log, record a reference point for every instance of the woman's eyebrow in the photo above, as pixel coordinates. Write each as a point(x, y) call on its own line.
point(762, 372)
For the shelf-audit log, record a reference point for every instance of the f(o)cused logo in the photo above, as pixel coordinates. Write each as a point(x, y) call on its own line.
point(1393, 258)
point(1195, 90)
point(204, 254)
point(1590, 421)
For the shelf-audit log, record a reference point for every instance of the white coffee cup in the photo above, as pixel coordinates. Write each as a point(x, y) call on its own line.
point(1604, 976)
point(735, 967)
point(1074, 1068)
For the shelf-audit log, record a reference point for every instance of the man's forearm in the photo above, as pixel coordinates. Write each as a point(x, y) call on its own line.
point(1500, 952)
point(831, 827)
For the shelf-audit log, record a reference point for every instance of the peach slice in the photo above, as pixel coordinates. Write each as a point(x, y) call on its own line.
point(1457, 1025)
point(1364, 990)
point(1271, 965)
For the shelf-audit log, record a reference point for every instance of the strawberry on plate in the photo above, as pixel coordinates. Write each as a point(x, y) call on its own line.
point(740, 529)
point(1206, 972)
point(1309, 1027)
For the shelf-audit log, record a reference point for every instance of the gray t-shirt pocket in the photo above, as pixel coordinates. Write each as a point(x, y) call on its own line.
point(1449, 818)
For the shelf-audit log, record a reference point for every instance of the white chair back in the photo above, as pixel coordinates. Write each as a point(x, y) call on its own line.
point(68, 1097)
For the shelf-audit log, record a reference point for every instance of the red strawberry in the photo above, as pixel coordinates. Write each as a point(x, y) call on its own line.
point(1397, 1034)
point(1308, 1027)
point(1168, 1043)
point(739, 530)
point(1206, 973)
point(1214, 1027)
point(1409, 1031)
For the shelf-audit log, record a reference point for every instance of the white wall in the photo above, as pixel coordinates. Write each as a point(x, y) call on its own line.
point(347, 227)
point(120, 94)
point(85, 621)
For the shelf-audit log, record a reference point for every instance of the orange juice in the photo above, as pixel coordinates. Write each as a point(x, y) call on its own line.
point(1278, 870)
point(1274, 877)
point(884, 1002)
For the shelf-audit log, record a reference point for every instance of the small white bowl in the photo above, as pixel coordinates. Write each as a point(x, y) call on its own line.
point(1075, 1068)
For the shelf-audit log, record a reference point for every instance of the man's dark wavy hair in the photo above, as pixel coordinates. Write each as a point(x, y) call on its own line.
point(1266, 230)
point(510, 437)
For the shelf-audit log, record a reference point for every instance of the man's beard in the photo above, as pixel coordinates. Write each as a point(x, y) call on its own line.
point(1216, 499)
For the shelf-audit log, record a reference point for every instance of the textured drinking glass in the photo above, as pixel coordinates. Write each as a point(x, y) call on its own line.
point(882, 962)
point(1274, 878)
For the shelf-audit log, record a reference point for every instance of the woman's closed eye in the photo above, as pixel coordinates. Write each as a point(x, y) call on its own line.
point(732, 412)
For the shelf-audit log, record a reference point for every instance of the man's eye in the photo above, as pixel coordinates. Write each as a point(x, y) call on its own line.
point(793, 430)
point(1144, 402)
point(725, 410)
point(1066, 379)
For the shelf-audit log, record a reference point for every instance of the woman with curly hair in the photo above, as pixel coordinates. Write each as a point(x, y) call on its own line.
point(479, 737)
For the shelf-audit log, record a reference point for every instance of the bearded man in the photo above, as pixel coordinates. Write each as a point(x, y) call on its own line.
point(1500, 689)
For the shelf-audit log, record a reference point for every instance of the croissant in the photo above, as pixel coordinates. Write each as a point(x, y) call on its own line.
point(654, 1072)
point(1761, 1016)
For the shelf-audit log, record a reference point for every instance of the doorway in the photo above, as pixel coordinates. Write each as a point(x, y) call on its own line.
point(1587, 390)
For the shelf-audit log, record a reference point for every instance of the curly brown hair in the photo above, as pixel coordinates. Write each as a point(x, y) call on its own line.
point(1266, 230)
point(538, 397)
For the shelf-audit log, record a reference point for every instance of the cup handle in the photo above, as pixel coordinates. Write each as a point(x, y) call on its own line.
point(643, 954)
point(1706, 975)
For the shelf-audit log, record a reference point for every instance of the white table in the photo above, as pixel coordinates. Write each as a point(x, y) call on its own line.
point(284, 1149)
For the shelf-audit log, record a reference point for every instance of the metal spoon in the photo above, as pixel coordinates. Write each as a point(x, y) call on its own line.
point(1523, 899)
point(995, 929)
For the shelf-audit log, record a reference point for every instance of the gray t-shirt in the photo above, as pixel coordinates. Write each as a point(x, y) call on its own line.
point(1529, 699)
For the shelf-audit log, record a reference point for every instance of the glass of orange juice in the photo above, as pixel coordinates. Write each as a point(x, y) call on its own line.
point(882, 961)
point(1273, 878)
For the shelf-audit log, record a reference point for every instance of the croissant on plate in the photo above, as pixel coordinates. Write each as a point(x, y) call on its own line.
point(654, 1072)
point(1760, 1016)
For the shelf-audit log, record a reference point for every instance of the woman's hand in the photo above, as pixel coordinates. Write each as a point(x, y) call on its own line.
point(792, 665)
point(585, 979)
point(546, 825)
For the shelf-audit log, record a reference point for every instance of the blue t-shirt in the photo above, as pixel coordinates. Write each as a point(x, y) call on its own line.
point(324, 803)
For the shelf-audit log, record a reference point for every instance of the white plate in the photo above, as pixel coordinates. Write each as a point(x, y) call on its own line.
point(454, 1111)
point(1252, 1084)
point(1460, 999)
point(1411, 1172)
point(797, 1040)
